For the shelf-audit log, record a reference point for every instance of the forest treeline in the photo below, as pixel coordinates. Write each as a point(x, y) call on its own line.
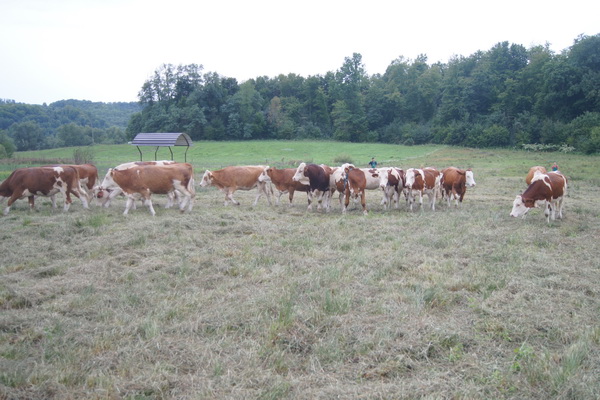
point(62, 123)
point(506, 96)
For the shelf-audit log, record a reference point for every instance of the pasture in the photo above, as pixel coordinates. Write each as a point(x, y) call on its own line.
point(274, 302)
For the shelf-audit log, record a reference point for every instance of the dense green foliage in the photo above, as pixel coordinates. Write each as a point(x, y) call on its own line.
point(506, 96)
point(62, 123)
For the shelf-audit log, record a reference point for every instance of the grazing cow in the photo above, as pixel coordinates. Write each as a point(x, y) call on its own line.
point(230, 179)
point(282, 179)
point(545, 189)
point(423, 181)
point(318, 182)
point(454, 183)
point(391, 182)
point(109, 193)
point(532, 171)
point(42, 181)
point(357, 181)
point(88, 177)
point(141, 181)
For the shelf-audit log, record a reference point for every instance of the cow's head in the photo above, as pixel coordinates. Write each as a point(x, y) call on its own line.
point(521, 206)
point(207, 179)
point(410, 178)
point(265, 176)
point(108, 184)
point(470, 179)
point(299, 175)
point(386, 174)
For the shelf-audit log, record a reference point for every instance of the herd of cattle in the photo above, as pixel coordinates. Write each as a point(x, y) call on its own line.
point(139, 180)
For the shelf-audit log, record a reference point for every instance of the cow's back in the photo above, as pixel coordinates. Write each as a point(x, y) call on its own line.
point(532, 171)
point(245, 177)
point(558, 183)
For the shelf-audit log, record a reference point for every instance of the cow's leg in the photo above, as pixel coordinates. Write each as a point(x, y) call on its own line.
point(10, 202)
point(148, 202)
point(559, 205)
point(432, 199)
point(346, 201)
point(290, 195)
point(128, 203)
point(547, 209)
point(363, 202)
point(111, 195)
point(170, 200)
point(229, 196)
point(31, 200)
point(53, 200)
point(81, 196)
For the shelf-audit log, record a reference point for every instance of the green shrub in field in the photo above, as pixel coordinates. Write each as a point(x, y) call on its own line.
point(343, 158)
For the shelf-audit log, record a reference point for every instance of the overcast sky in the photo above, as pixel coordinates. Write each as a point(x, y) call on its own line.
point(104, 50)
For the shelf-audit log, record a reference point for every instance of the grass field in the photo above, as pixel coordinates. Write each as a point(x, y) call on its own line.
point(274, 302)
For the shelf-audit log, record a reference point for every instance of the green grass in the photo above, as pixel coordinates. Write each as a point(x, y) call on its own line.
point(277, 302)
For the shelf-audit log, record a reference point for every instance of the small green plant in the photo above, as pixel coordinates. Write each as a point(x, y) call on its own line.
point(523, 354)
point(343, 159)
point(83, 155)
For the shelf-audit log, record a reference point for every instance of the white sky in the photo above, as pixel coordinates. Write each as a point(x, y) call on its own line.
point(104, 50)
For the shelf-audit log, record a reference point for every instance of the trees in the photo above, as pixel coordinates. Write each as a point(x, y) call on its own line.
point(27, 135)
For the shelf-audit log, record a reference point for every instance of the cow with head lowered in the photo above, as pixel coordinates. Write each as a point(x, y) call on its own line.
point(454, 183)
point(230, 179)
point(142, 181)
point(41, 181)
point(546, 190)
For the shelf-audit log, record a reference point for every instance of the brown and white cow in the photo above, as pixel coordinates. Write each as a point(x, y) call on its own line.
point(391, 182)
point(88, 177)
point(547, 190)
point(532, 172)
point(230, 179)
point(140, 182)
point(357, 181)
point(337, 183)
point(454, 183)
point(423, 181)
point(318, 182)
point(282, 179)
point(41, 181)
point(108, 193)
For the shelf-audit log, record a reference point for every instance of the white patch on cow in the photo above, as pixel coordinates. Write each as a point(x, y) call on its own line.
point(540, 176)
point(470, 178)
point(58, 170)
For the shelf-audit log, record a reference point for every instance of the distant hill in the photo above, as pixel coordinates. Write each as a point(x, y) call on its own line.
point(81, 112)
point(107, 114)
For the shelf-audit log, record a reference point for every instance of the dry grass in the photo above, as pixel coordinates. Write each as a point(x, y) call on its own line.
point(274, 302)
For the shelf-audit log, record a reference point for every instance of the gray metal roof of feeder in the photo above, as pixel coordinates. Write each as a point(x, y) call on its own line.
point(162, 140)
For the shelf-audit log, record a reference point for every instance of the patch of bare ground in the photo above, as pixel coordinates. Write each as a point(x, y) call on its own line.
point(277, 302)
